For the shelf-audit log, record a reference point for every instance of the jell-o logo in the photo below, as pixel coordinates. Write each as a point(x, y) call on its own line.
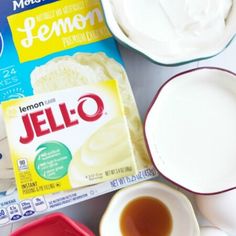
point(44, 121)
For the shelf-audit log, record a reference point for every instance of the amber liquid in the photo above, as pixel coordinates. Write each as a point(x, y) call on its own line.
point(146, 216)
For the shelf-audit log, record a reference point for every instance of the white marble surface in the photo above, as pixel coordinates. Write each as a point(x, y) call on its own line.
point(145, 78)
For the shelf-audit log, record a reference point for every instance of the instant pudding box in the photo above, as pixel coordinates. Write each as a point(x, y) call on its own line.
point(70, 129)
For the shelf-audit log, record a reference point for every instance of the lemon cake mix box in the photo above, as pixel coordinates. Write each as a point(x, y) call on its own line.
point(69, 126)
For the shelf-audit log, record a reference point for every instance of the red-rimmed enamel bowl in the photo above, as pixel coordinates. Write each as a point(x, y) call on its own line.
point(190, 129)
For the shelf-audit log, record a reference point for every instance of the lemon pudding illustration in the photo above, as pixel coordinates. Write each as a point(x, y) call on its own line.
point(97, 151)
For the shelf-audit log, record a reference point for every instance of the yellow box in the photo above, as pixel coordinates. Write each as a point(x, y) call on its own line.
point(69, 138)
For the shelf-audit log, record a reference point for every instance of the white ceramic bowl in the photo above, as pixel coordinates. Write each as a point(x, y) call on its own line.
point(220, 210)
point(211, 231)
point(190, 130)
point(183, 217)
point(151, 52)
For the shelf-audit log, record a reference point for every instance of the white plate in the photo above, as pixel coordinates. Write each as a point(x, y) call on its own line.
point(191, 130)
point(153, 53)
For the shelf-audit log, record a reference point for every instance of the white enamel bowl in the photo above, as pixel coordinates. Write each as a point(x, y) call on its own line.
point(190, 130)
point(183, 217)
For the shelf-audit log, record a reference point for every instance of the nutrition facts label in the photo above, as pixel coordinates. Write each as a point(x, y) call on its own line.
point(4, 218)
point(14, 212)
point(27, 208)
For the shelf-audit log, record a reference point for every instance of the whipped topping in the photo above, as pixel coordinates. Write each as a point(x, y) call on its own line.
point(180, 28)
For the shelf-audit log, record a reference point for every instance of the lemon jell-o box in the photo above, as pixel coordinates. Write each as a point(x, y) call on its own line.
point(69, 138)
point(68, 106)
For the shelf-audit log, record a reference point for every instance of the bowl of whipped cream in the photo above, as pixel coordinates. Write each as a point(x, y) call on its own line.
point(172, 32)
